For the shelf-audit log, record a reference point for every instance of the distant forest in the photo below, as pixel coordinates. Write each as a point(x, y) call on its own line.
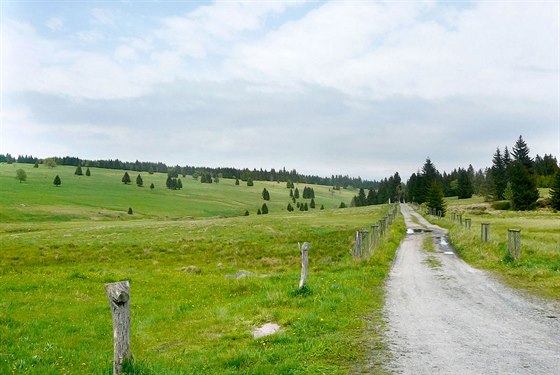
point(281, 175)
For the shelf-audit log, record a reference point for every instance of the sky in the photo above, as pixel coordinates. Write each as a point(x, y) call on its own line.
point(363, 88)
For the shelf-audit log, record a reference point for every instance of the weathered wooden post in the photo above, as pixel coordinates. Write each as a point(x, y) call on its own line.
point(453, 216)
point(374, 234)
point(387, 222)
point(304, 263)
point(365, 244)
point(460, 219)
point(357, 245)
point(468, 223)
point(484, 232)
point(514, 243)
point(381, 227)
point(439, 214)
point(119, 299)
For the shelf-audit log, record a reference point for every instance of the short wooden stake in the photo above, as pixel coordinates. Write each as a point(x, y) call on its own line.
point(304, 263)
point(453, 216)
point(374, 234)
point(514, 243)
point(484, 232)
point(381, 227)
point(468, 223)
point(118, 295)
point(460, 219)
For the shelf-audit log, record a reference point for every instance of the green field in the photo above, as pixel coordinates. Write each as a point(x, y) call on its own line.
point(538, 269)
point(61, 245)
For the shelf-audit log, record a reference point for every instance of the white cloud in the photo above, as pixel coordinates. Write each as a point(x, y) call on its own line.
point(103, 16)
point(55, 24)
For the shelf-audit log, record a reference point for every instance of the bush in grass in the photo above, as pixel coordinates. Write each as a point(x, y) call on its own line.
point(21, 175)
point(501, 205)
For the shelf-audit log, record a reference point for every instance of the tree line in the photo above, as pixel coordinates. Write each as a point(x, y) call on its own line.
point(245, 174)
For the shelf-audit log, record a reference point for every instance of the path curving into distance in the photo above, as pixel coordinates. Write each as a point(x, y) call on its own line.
point(446, 317)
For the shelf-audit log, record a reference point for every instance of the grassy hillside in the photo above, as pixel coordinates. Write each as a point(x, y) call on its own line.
point(103, 196)
point(537, 270)
point(61, 245)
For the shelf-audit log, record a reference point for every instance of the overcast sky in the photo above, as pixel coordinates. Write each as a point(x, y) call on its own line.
point(326, 87)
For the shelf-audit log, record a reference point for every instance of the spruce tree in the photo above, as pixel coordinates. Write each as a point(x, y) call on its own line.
point(342, 205)
point(259, 211)
point(521, 154)
point(179, 184)
point(152, 187)
point(130, 210)
point(523, 186)
point(88, 173)
point(296, 193)
point(78, 171)
point(36, 165)
point(290, 208)
point(305, 207)
point(126, 178)
point(57, 181)
point(555, 192)
point(464, 185)
point(361, 200)
point(264, 209)
point(250, 181)
point(139, 181)
point(435, 198)
point(312, 203)
point(291, 193)
point(265, 195)
point(237, 183)
point(246, 212)
point(371, 197)
point(322, 207)
point(498, 175)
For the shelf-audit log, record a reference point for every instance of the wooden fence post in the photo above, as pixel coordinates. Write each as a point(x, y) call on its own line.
point(304, 263)
point(381, 227)
point(365, 248)
point(374, 234)
point(484, 232)
point(460, 219)
point(453, 216)
point(514, 243)
point(468, 223)
point(119, 299)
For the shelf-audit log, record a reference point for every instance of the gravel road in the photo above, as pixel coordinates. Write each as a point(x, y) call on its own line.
point(446, 317)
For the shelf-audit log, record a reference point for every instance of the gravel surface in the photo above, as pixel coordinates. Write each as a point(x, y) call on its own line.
point(446, 317)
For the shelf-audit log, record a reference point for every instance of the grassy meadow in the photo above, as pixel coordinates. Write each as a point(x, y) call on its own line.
point(61, 245)
point(538, 269)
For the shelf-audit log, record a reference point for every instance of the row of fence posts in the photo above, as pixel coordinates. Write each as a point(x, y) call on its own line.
point(366, 240)
point(514, 235)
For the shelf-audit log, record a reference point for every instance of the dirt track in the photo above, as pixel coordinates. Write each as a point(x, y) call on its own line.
point(447, 317)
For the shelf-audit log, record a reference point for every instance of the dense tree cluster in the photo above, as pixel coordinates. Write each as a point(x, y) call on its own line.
point(308, 193)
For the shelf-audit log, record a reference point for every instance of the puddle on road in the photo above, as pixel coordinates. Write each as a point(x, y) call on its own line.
point(417, 230)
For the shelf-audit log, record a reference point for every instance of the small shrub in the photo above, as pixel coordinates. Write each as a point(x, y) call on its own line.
point(501, 205)
point(130, 210)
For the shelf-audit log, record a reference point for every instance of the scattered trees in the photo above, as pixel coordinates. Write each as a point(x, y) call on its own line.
point(125, 178)
point(265, 195)
point(21, 175)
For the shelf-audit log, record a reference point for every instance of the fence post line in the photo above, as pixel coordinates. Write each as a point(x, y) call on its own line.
point(304, 249)
point(118, 295)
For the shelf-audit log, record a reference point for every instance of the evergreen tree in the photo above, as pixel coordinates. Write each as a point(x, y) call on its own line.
point(36, 165)
point(21, 175)
point(264, 209)
point(296, 193)
point(237, 183)
point(246, 212)
point(435, 198)
point(169, 182)
point(353, 202)
point(88, 173)
point(498, 175)
point(464, 185)
point(78, 171)
point(57, 182)
point(555, 192)
point(126, 178)
point(523, 186)
point(250, 181)
point(371, 197)
point(259, 211)
point(521, 154)
point(301, 208)
point(139, 181)
point(130, 210)
point(507, 158)
point(179, 184)
point(290, 208)
point(322, 207)
point(312, 203)
point(342, 205)
point(311, 193)
point(152, 187)
point(291, 193)
point(361, 200)
point(305, 207)
point(265, 195)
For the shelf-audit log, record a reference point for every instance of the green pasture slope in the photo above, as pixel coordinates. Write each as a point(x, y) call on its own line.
point(538, 269)
point(59, 246)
